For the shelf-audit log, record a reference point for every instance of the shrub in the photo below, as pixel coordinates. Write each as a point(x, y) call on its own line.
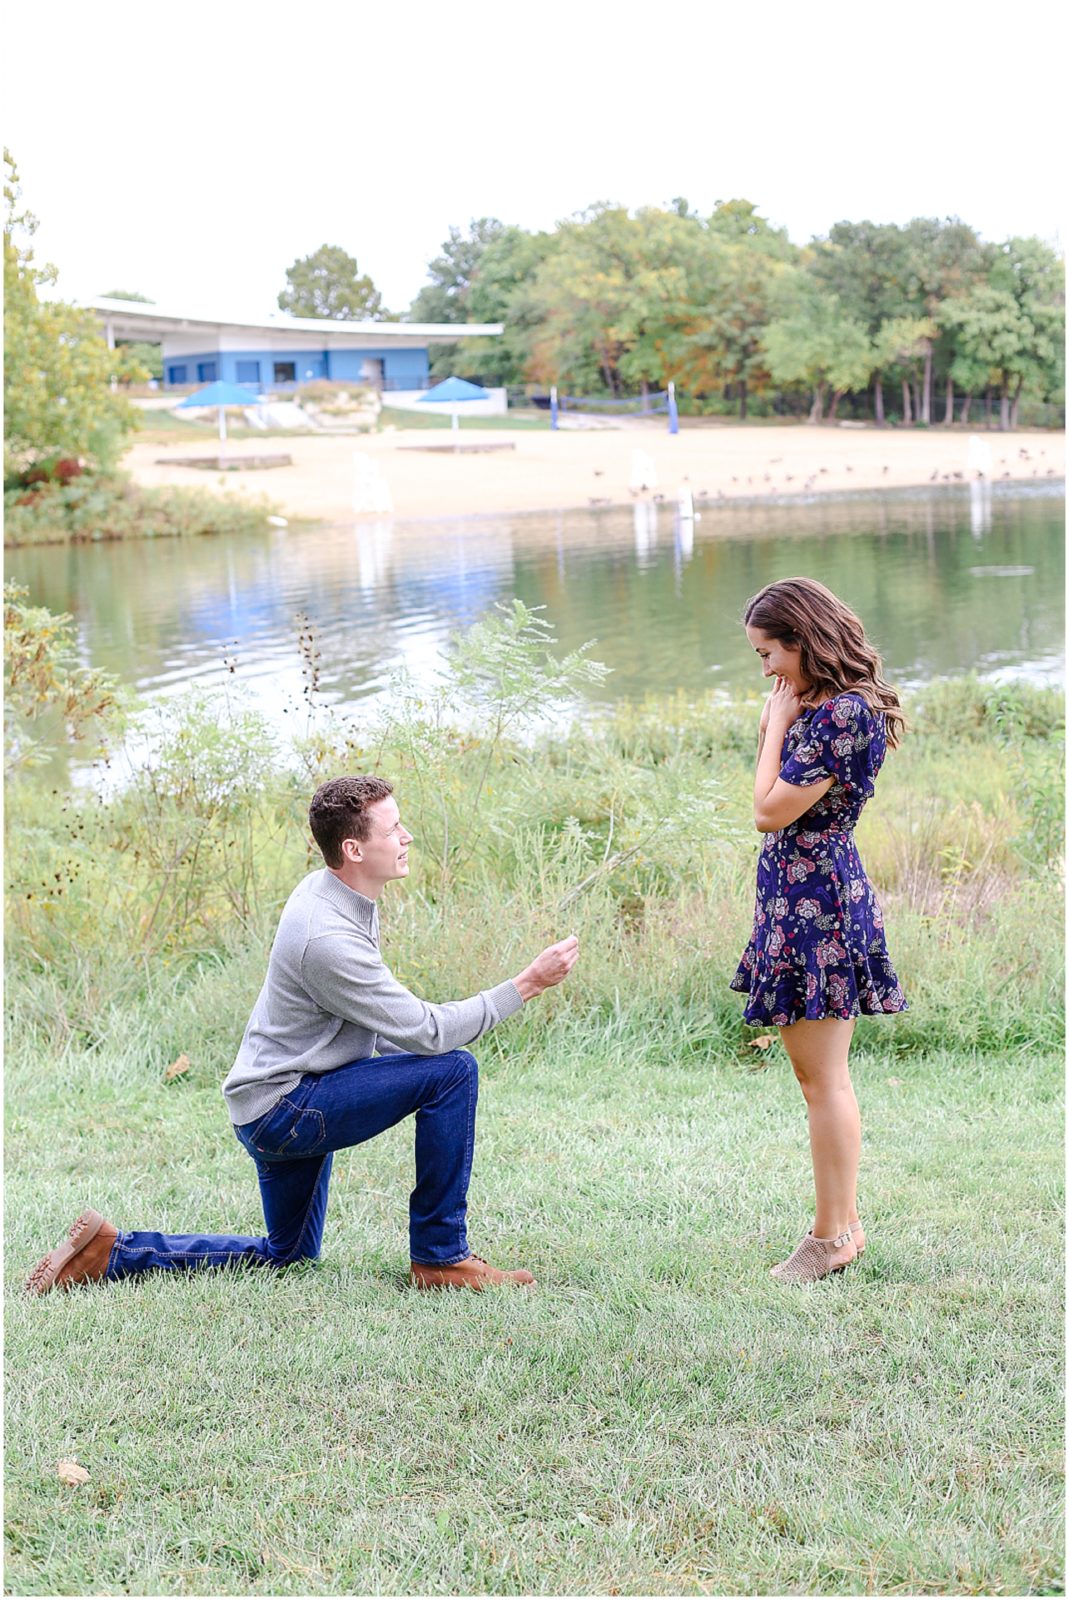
point(96, 506)
point(46, 690)
point(631, 830)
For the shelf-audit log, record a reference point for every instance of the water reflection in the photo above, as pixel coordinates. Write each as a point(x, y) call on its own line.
point(981, 507)
point(373, 541)
point(685, 534)
point(644, 513)
point(970, 578)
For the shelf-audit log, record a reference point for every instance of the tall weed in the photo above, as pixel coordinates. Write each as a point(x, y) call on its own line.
point(631, 830)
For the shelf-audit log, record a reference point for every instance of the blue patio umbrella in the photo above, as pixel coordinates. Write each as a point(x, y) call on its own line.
point(453, 392)
point(220, 395)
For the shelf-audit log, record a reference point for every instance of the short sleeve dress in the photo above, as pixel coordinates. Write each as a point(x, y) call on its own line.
point(817, 948)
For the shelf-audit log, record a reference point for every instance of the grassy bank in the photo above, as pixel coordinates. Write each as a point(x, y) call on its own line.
point(656, 1417)
point(166, 428)
point(97, 507)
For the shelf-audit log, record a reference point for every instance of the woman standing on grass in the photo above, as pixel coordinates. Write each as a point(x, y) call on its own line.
point(817, 957)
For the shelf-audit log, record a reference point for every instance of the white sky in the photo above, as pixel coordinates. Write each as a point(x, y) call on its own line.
point(192, 151)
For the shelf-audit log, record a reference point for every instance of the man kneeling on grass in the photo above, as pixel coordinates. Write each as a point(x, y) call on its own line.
point(337, 1050)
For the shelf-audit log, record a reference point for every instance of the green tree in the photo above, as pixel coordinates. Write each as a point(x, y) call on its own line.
point(815, 341)
point(733, 263)
point(453, 272)
point(138, 361)
point(58, 400)
point(612, 300)
point(739, 273)
point(864, 264)
point(944, 259)
point(500, 291)
point(739, 222)
point(1034, 275)
point(1008, 331)
point(891, 278)
point(328, 283)
point(127, 294)
point(447, 298)
point(903, 343)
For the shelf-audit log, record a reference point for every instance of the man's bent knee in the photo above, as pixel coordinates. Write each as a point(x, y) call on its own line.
point(457, 1070)
point(461, 1062)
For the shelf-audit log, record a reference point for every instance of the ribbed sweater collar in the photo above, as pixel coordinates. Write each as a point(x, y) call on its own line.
point(356, 907)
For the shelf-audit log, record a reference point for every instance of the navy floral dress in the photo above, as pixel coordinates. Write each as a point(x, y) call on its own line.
point(817, 948)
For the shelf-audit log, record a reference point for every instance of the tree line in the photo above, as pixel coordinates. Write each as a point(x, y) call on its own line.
point(914, 323)
point(918, 323)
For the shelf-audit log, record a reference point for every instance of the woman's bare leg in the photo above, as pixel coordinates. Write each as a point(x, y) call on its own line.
point(819, 1054)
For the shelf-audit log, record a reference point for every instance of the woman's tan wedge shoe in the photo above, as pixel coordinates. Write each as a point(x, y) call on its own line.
point(817, 1258)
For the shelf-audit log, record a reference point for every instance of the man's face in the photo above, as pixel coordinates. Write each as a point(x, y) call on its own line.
point(384, 853)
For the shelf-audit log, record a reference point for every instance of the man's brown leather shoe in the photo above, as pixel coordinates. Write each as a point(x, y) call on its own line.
point(474, 1273)
point(82, 1257)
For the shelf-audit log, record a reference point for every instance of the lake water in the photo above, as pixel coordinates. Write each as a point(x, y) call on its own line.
point(946, 582)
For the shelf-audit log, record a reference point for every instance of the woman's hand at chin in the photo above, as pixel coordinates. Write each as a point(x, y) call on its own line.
point(783, 705)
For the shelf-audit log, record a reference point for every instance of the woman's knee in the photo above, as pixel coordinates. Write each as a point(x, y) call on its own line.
point(820, 1084)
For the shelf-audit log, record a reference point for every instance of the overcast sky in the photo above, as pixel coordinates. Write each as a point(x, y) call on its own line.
point(193, 151)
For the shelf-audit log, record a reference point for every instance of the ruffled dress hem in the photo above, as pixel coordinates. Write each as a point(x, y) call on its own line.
point(788, 1003)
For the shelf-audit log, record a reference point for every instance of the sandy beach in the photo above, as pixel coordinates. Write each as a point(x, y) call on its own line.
point(547, 471)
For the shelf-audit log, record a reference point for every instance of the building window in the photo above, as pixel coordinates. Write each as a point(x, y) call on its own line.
point(248, 372)
point(285, 372)
point(176, 374)
point(205, 371)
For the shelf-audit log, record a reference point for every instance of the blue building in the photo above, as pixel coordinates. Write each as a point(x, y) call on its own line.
point(284, 352)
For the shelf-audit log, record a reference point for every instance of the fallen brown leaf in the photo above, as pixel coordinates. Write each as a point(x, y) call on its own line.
point(762, 1042)
point(177, 1068)
point(70, 1472)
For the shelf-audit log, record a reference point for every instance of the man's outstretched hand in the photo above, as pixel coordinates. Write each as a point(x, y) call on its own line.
point(551, 967)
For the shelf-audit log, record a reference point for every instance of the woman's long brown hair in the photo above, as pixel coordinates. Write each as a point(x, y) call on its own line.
point(835, 655)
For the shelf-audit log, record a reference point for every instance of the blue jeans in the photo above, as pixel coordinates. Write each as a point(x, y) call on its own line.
point(293, 1148)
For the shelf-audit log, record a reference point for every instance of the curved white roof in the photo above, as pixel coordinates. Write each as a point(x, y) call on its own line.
point(133, 318)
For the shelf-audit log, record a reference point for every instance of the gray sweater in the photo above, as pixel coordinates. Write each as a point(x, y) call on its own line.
point(329, 999)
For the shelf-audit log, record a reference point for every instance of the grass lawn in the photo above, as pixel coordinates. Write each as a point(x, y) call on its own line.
point(438, 416)
point(657, 1417)
point(165, 428)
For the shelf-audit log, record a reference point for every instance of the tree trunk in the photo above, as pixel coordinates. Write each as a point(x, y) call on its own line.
point(916, 401)
point(645, 395)
point(1004, 407)
point(1016, 403)
point(817, 408)
point(926, 391)
point(907, 409)
point(965, 409)
point(837, 395)
point(948, 415)
point(878, 384)
point(742, 399)
point(987, 407)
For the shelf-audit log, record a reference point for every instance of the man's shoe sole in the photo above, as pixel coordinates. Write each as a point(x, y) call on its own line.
point(82, 1233)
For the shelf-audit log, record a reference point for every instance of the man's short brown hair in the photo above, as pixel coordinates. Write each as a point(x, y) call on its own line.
point(339, 811)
